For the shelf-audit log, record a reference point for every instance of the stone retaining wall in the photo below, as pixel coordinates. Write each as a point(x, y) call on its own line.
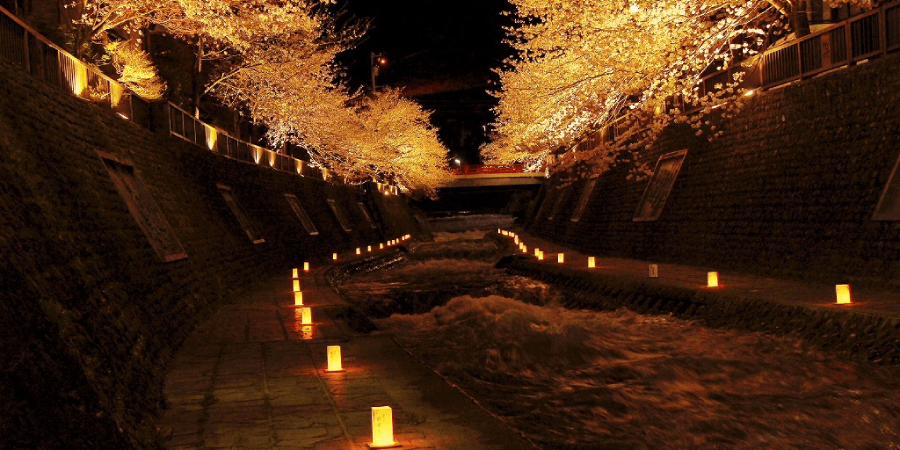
point(789, 189)
point(853, 335)
point(90, 315)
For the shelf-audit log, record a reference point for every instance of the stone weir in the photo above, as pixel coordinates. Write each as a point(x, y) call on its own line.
point(117, 241)
point(801, 184)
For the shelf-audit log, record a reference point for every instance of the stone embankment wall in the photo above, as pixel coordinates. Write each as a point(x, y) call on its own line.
point(789, 189)
point(859, 337)
point(90, 314)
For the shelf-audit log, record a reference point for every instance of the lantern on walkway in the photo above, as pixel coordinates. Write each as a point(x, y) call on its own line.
point(294, 273)
point(712, 279)
point(843, 294)
point(298, 298)
point(334, 359)
point(334, 256)
point(383, 428)
point(654, 271)
point(306, 316)
point(296, 285)
point(592, 262)
point(306, 267)
point(561, 258)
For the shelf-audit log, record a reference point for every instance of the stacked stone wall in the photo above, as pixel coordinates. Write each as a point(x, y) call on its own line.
point(90, 315)
point(788, 190)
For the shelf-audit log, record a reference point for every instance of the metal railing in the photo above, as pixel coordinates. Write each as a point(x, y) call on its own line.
point(858, 38)
point(482, 169)
point(26, 48)
point(185, 126)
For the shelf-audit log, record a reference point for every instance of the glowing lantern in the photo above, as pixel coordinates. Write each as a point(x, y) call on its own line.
point(537, 251)
point(334, 359)
point(369, 248)
point(380, 246)
point(334, 256)
point(306, 267)
point(298, 298)
point(306, 316)
point(516, 240)
point(498, 231)
point(843, 294)
point(296, 285)
point(382, 428)
point(524, 248)
point(541, 256)
point(712, 279)
point(561, 258)
point(358, 251)
point(654, 271)
point(592, 262)
point(294, 273)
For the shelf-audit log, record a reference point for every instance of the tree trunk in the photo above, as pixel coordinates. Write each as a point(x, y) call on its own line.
point(800, 18)
point(197, 78)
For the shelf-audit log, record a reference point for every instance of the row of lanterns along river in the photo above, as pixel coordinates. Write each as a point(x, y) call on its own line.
point(382, 416)
point(842, 291)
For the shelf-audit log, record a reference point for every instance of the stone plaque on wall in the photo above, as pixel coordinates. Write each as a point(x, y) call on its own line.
point(888, 207)
point(143, 208)
point(654, 198)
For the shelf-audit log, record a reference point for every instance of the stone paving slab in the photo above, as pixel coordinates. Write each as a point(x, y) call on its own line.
point(865, 301)
point(253, 377)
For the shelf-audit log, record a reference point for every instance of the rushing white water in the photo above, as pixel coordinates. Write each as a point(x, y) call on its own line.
point(619, 380)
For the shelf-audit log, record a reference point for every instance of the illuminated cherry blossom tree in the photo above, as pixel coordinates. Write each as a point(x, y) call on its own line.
point(581, 65)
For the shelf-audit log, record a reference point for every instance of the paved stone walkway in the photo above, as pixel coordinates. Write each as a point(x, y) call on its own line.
point(254, 378)
point(865, 301)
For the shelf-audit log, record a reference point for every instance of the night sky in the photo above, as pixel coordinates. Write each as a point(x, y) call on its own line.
point(441, 53)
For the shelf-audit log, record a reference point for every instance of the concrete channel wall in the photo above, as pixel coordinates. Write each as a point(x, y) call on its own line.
point(789, 190)
point(91, 312)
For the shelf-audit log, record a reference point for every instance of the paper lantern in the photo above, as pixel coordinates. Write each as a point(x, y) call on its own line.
point(306, 315)
point(383, 428)
point(334, 256)
point(358, 252)
point(368, 248)
point(298, 298)
point(380, 246)
point(296, 285)
point(334, 358)
point(537, 251)
point(712, 279)
point(306, 267)
point(541, 256)
point(294, 274)
point(524, 248)
point(592, 262)
point(843, 294)
point(654, 271)
point(561, 258)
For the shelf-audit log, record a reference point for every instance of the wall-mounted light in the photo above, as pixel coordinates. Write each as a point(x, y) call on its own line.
point(334, 359)
point(712, 279)
point(383, 428)
point(843, 294)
